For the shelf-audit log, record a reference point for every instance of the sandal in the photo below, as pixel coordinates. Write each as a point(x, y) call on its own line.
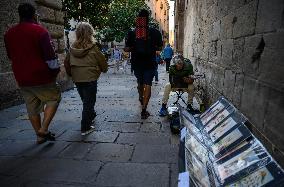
point(40, 140)
point(48, 136)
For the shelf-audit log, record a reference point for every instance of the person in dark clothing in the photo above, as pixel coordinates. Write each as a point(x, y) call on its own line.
point(143, 42)
point(35, 66)
point(168, 54)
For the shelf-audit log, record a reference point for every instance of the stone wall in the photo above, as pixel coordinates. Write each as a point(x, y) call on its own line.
point(239, 45)
point(51, 17)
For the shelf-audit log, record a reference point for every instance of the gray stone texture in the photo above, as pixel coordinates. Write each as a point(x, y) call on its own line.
point(158, 154)
point(51, 17)
point(106, 152)
point(143, 138)
point(222, 38)
point(269, 16)
point(62, 169)
point(134, 174)
point(122, 151)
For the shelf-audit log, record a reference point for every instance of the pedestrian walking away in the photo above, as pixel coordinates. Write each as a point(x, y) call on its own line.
point(143, 42)
point(168, 54)
point(35, 66)
point(84, 63)
point(158, 61)
point(117, 57)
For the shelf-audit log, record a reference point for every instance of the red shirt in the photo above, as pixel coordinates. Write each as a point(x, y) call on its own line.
point(26, 51)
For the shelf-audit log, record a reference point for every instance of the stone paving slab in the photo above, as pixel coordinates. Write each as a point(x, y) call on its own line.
point(123, 151)
point(12, 148)
point(63, 170)
point(143, 138)
point(13, 166)
point(23, 135)
point(134, 174)
point(118, 126)
point(174, 174)
point(76, 150)
point(31, 149)
point(46, 150)
point(150, 127)
point(110, 152)
point(159, 154)
point(96, 136)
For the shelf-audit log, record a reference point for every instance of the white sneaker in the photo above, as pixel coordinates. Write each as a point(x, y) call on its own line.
point(92, 128)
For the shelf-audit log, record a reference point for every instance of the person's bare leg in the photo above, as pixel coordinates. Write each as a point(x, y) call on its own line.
point(35, 121)
point(49, 113)
point(140, 89)
point(146, 95)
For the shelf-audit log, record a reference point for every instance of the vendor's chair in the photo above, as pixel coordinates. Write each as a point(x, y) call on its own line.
point(178, 85)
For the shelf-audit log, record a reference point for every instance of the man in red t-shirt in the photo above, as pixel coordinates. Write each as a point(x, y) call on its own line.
point(35, 66)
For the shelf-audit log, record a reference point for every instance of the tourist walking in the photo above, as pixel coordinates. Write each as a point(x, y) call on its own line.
point(143, 42)
point(168, 54)
point(35, 66)
point(84, 63)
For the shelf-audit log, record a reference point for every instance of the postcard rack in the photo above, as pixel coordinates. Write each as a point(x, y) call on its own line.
point(219, 150)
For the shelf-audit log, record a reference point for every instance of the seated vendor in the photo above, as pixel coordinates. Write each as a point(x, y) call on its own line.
point(180, 79)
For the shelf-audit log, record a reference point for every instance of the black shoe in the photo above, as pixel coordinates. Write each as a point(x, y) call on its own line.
point(145, 114)
point(189, 108)
point(47, 136)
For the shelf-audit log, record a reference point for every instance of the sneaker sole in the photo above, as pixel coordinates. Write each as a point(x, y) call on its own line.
point(88, 131)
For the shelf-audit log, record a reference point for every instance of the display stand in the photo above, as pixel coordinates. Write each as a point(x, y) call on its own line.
point(219, 150)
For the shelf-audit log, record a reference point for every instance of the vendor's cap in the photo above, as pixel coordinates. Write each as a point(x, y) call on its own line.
point(178, 59)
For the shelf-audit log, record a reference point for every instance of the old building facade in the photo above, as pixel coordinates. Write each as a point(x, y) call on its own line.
point(239, 45)
point(160, 12)
point(51, 17)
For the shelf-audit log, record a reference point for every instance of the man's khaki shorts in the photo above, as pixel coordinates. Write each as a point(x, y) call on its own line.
point(36, 97)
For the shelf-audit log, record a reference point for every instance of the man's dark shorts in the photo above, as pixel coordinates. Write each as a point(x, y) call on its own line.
point(144, 76)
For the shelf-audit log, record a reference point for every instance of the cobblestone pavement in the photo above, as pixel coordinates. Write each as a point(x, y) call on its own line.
point(123, 151)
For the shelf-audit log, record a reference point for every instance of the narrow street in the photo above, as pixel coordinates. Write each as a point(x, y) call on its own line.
point(123, 151)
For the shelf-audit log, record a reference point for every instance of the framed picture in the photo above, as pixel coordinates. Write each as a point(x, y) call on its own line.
point(210, 108)
point(270, 175)
point(213, 123)
point(212, 113)
point(223, 128)
point(242, 162)
point(230, 141)
point(226, 141)
point(195, 147)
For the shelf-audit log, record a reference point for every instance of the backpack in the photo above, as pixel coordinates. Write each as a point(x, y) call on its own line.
point(143, 43)
point(175, 125)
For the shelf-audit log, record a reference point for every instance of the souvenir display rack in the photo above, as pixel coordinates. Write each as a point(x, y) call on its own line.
point(219, 150)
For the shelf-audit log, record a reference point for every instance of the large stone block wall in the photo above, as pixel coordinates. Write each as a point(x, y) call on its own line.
point(51, 17)
point(239, 45)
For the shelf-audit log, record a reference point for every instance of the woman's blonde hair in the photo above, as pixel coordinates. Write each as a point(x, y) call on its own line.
point(84, 35)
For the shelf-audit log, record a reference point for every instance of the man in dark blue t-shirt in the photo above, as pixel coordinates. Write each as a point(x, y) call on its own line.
point(143, 43)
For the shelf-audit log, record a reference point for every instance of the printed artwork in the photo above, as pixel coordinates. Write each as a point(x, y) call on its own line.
point(222, 129)
point(226, 141)
point(190, 126)
point(258, 178)
point(200, 173)
point(205, 113)
point(194, 145)
point(217, 120)
point(191, 118)
point(237, 163)
point(212, 113)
